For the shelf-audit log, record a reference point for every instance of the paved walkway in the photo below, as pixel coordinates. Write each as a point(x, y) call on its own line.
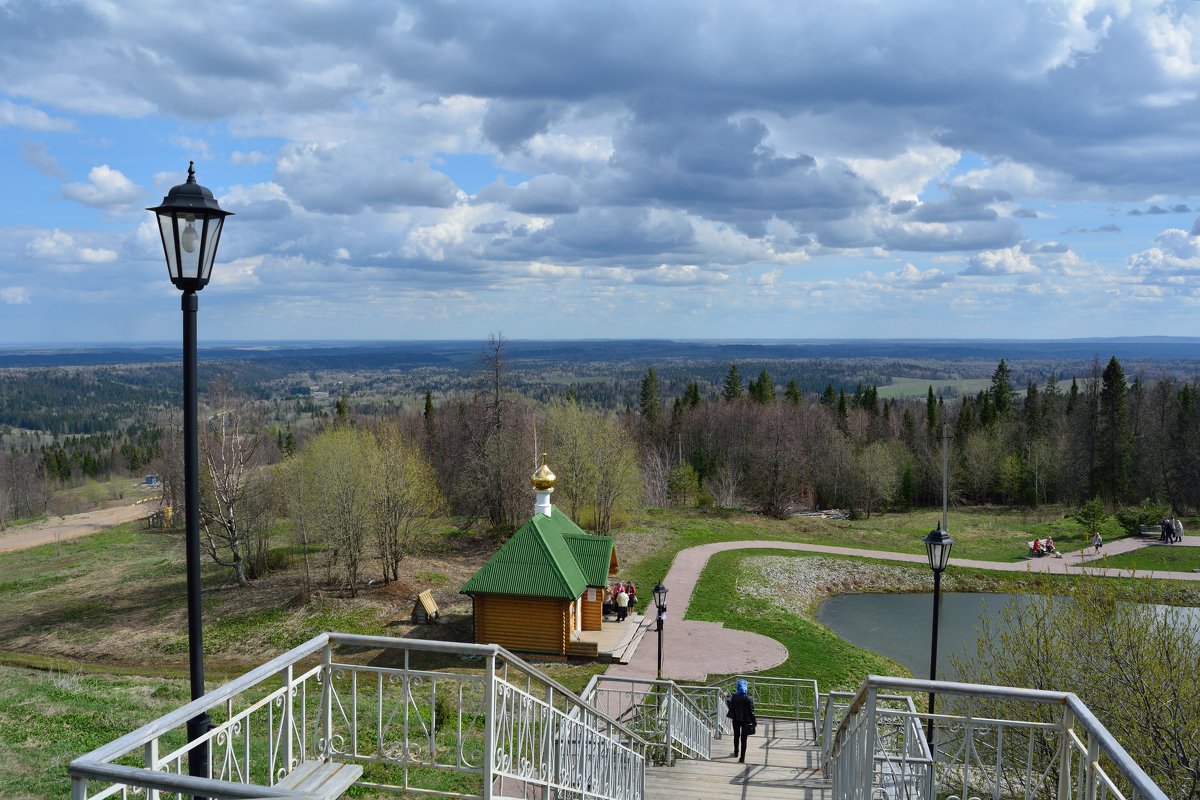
point(692, 649)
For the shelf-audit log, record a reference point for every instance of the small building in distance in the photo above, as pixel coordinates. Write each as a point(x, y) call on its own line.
point(545, 585)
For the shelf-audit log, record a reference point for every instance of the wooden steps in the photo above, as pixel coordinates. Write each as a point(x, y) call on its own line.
point(783, 763)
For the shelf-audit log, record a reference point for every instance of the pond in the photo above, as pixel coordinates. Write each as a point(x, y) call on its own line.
point(898, 625)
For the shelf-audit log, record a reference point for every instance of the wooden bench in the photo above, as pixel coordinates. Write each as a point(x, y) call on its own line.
point(327, 780)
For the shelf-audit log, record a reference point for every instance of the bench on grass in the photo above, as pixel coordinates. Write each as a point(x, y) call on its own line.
point(327, 780)
point(1046, 547)
point(1149, 530)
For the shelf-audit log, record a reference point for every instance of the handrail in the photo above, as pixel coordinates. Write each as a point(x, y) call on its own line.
point(356, 640)
point(181, 715)
point(1105, 741)
point(290, 679)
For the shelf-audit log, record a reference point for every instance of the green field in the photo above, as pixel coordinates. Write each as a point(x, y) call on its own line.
point(919, 387)
point(1168, 558)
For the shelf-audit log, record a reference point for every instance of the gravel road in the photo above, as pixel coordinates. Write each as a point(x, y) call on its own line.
point(69, 527)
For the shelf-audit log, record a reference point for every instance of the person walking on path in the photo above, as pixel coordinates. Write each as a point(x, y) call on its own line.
point(1097, 542)
point(1177, 529)
point(741, 711)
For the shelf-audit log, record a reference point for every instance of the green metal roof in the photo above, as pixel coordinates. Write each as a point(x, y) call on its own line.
point(593, 554)
point(538, 562)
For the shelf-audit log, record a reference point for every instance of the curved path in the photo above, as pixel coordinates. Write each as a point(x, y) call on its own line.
point(692, 649)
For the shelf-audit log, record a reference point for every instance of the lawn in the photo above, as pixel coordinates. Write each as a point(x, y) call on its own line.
point(1168, 558)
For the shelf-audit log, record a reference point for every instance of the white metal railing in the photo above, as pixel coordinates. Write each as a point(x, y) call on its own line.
point(659, 711)
point(789, 698)
point(991, 742)
point(446, 719)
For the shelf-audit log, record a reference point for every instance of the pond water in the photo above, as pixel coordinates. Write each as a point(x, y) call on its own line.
point(898, 625)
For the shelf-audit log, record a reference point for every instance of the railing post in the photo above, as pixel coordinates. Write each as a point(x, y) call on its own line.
point(327, 703)
point(1064, 754)
point(867, 767)
point(286, 748)
point(1093, 756)
point(489, 726)
point(150, 755)
point(670, 727)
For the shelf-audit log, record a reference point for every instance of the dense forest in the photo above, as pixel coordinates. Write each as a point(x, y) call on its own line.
point(773, 435)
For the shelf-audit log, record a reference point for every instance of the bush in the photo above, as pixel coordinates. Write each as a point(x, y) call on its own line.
point(1147, 512)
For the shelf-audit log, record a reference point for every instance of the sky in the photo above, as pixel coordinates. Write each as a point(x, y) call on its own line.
point(624, 169)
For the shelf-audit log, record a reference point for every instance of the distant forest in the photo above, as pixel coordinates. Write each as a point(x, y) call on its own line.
point(1056, 422)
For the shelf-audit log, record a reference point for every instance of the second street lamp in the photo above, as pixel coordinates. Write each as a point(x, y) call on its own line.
point(937, 547)
point(190, 223)
point(660, 602)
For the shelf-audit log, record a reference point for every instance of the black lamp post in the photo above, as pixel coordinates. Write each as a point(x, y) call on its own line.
point(190, 223)
point(937, 546)
point(660, 602)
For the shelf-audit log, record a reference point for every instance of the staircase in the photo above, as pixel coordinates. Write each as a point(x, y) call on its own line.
point(783, 763)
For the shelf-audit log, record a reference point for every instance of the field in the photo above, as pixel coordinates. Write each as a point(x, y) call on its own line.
point(919, 387)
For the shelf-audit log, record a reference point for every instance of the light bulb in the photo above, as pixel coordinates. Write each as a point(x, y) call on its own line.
point(188, 239)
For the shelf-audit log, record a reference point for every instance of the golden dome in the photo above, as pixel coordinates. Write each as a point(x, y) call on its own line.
point(543, 479)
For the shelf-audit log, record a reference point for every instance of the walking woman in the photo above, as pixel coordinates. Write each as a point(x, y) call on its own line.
point(741, 711)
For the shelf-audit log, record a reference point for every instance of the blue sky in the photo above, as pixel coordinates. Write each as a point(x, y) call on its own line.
point(628, 169)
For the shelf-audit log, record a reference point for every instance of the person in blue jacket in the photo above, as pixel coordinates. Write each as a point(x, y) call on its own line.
point(741, 711)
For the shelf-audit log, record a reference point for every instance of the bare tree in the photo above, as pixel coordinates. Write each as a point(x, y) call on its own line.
point(232, 503)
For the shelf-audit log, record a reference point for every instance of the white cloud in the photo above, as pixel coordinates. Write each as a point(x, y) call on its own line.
point(30, 118)
point(97, 255)
point(1008, 261)
point(107, 188)
point(14, 296)
point(251, 158)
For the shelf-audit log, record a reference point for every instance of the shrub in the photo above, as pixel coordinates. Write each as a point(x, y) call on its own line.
point(1147, 512)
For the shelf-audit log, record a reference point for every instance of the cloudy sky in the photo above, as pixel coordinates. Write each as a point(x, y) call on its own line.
point(564, 169)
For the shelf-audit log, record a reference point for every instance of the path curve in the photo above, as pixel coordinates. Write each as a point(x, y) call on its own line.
point(692, 650)
point(69, 527)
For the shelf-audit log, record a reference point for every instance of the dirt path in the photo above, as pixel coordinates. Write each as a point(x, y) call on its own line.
point(70, 527)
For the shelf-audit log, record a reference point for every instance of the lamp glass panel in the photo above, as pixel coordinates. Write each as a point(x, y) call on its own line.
point(190, 227)
point(660, 595)
point(166, 227)
point(212, 237)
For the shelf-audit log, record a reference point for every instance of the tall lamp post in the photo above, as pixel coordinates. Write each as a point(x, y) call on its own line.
point(190, 222)
point(660, 602)
point(937, 546)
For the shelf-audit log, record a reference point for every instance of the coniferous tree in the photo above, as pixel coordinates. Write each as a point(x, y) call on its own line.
point(732, 389)
point(1115, 445)
point(650, 399)
point(828, 397)
point(762, 391)
point(691, 396)
point(792, 393)
point(1002, 393)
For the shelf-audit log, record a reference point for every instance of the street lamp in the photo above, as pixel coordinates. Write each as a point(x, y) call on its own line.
point(937, 547)
point(190, 222)
point(660, 602)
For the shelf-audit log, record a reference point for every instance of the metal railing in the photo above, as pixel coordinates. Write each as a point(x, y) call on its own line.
point(992, 742)
point(790, 698)
point(659, 711)
point(445, 719)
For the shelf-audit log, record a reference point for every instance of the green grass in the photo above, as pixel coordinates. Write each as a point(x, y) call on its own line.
point(1168, 558)
point(48, 718)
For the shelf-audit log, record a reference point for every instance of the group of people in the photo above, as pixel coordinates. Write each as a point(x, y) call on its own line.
point(1172, 530)
point(1041, 547)
point(619, 598)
